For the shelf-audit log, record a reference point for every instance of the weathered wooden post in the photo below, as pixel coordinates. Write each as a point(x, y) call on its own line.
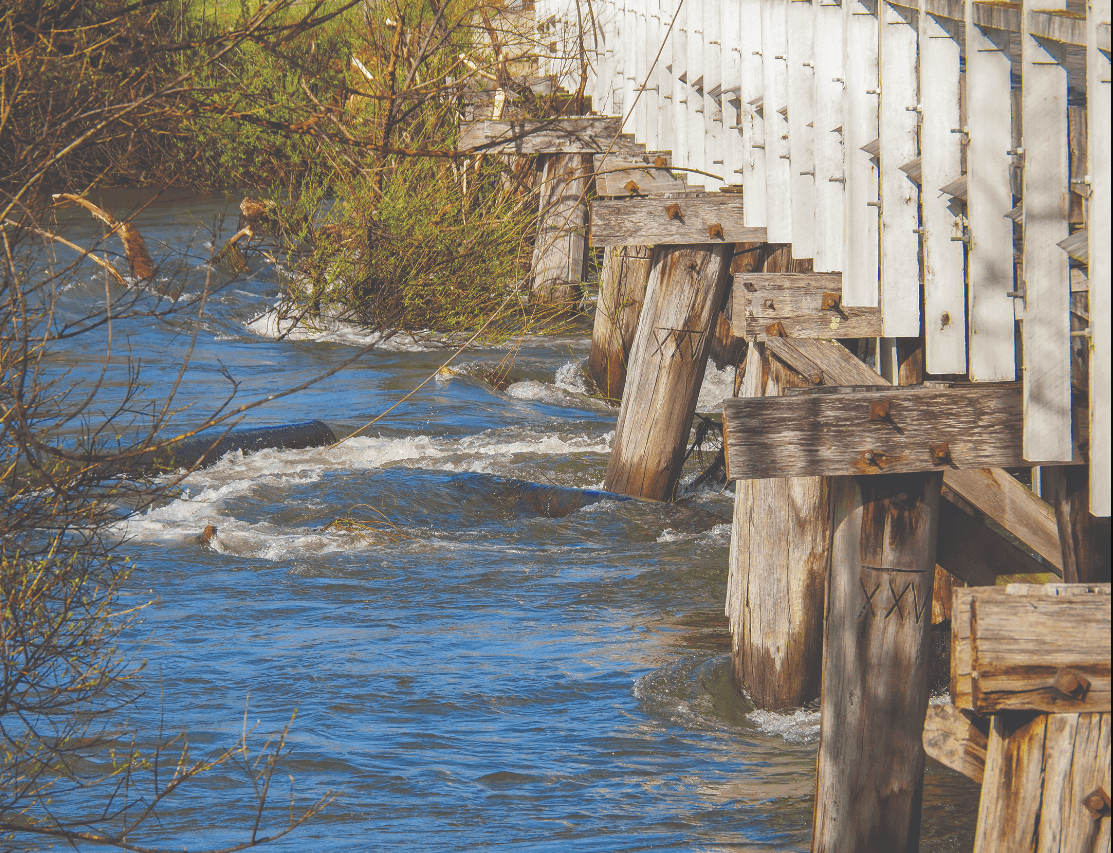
point(625, 272)
point(565, 146)
point(622, 284)
point(690, 271)
point(886, 449)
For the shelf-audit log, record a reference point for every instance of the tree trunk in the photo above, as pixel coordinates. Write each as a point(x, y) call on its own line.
point(667, 364)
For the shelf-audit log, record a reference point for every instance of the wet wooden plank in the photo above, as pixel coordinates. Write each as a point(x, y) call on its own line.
point(714, 218)
point(807, 305)
point(832, 434)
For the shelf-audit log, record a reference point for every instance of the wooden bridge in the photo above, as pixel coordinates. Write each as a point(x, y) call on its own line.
point(906, 255)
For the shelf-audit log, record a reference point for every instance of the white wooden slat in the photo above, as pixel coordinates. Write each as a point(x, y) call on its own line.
point(778, 186)
point(940, 163)
point(641, 69)
point(678, 74)
point(860, 281)
point(696, 131)
point(1099, 226)
point(801, 115)
point(713, 94)
point(655, 32)
point(730, 23)
point(899, 121)
point(629, 63)
point(753, 123)
point(830, 92)
point(604, 95)
point(1046, 324)
point(991, 335)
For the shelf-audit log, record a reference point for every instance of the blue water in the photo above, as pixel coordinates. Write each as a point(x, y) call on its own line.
point(474, 677)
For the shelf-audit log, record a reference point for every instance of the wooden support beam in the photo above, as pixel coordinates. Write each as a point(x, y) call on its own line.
point(975, 554)
point(714, 219)
point(591, 135)
point(806, 306)
point(1046, 784)
point(1031, 647)
point(954, 741)
point(622, 286)
point(560, 250)
point(875, 663)
point(687, 286)
point(619, 177)
point(836, 432)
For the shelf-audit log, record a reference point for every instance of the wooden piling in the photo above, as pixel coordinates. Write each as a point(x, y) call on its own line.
point(687, 285)
point(561, 247)
point(622, 286)
point(875, 663)
point(778, 565)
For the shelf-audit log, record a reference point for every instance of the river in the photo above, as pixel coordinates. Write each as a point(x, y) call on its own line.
point(486, 678)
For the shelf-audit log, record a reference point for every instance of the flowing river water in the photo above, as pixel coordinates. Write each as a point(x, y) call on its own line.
point(494, 679)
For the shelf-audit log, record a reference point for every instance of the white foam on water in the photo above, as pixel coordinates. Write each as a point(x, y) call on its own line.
point(717, 386)
point(718, 533)
point(330, 328)
point(799, 726)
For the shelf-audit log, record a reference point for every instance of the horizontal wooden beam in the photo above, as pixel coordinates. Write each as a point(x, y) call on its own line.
point(619, 177)
point(954, 741)
point(798, 305)
point(547, 136)
point(881, 430)
point(714, 218)
point(1028, 647)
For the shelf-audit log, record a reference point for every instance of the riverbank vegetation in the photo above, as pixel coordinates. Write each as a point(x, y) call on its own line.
point(345, 118)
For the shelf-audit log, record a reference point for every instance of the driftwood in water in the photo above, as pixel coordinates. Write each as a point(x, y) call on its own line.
point(686, 288)
point(875, 663)
point(621, 295)
point(135, 247)
point(561, 248)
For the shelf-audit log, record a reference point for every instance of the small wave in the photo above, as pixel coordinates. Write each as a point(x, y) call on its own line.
point(330, 328)
point(720, 533)
point(799, 726)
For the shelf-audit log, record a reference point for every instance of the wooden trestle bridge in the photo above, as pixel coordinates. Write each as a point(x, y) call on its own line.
point(906, 254)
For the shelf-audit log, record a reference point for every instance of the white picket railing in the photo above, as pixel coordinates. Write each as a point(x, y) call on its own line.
point(922, 148)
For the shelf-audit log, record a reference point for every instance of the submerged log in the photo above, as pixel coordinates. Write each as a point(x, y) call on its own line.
point(668, 359)
point(621, 295)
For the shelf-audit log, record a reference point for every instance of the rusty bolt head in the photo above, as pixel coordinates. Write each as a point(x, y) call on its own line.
point(715, 231)
point(673, 211)
point(768, 304)
point(631, 187)
point(661, 162)
point(775, 330)
point(941, 454)
point(879, 410)
point(873, 458)
point(749, 286)
point(1097, 803)
point(830, 302)
point(1071, 684)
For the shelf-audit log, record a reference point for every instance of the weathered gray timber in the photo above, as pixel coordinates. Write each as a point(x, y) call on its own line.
point(622, 284)
point(561, 248)
point(954, 741)
point(973, 552)
point(622, 176)
point(712, 218)
point(778, 564)
point(875, 430)
point(875, 663)
point(1013, 506)
point(1031, 647)
point(806, 305)
point(687, 286)
point(589, 135)
point(1046, 785)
